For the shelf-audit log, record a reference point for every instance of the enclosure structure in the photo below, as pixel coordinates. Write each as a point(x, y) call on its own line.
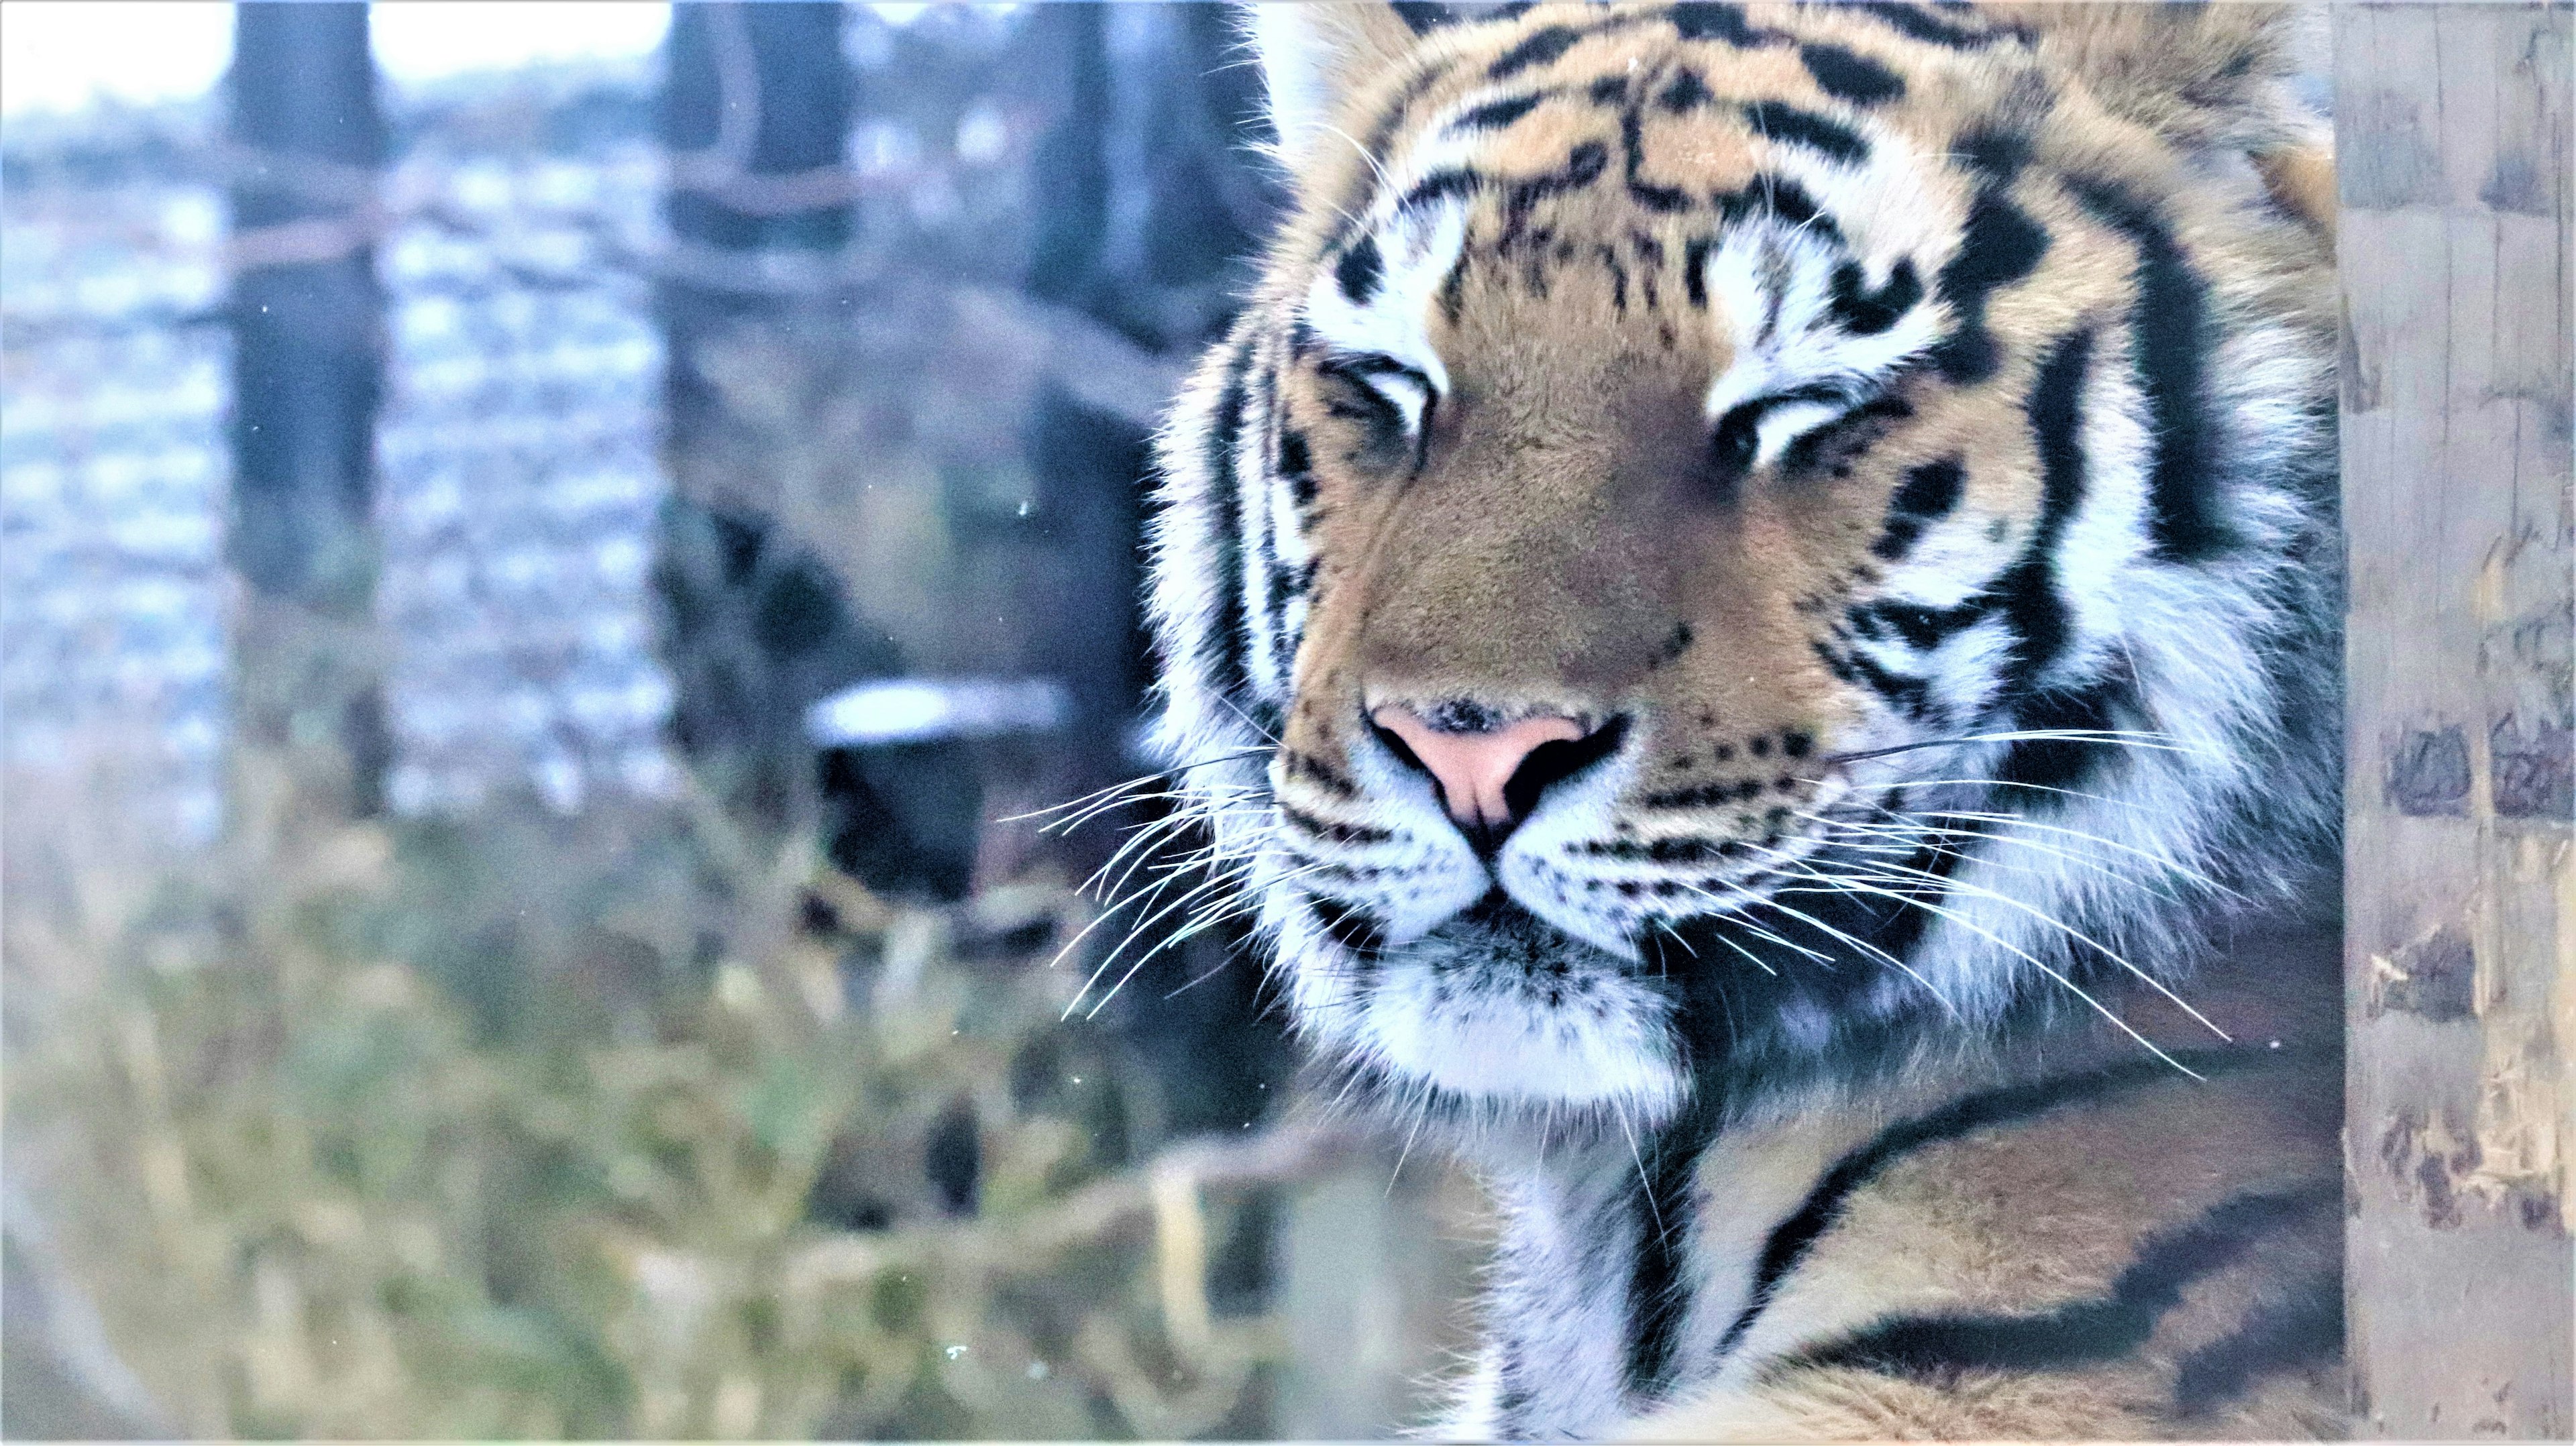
point(2460, 874)
point(2453, 125)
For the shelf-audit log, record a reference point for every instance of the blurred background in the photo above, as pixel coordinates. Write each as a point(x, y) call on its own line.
point(553, 558)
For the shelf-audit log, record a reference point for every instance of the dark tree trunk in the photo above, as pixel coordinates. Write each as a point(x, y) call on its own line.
point(308, 327)
point(757, 90)
point(755, 115)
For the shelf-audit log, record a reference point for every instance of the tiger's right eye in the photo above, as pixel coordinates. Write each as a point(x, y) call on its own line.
point(1732, 447)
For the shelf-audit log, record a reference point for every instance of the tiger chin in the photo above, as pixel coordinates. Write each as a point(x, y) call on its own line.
point(1751, 607)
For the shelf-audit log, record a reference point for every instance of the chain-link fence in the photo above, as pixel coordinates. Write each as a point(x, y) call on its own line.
point(530, 607)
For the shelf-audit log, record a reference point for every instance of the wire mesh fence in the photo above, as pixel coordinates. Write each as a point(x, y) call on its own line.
point(490, 952)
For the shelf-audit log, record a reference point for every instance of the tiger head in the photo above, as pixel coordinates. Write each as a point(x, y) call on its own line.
point(1729, 530)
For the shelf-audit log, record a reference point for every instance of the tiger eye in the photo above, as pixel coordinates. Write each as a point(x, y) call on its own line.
point(1731, 449)
point(1384, 444)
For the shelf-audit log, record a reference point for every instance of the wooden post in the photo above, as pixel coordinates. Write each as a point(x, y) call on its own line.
point(2460, 874)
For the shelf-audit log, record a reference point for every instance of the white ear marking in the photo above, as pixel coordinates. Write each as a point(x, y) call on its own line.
point(1299, 65)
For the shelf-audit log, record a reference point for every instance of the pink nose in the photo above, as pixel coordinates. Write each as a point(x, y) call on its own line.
point(1472, 768)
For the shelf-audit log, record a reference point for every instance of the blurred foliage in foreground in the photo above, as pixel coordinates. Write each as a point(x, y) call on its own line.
point(447, 1131)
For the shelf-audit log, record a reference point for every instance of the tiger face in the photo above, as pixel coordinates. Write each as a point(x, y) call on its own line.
point(1731, 529)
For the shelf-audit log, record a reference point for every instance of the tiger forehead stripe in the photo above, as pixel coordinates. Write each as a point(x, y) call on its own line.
point(1457, 147)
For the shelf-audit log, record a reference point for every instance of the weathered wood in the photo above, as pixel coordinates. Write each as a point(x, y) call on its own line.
point(2460, 873)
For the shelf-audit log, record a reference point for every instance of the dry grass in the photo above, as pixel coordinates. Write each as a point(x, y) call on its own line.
point(536, 1130)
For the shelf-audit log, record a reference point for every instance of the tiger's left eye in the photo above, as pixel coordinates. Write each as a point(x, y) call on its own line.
point(1388, 401)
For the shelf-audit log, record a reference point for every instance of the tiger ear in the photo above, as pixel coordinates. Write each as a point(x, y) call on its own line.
point(2220, 76)
point(1317, 54)
point(2199, 74)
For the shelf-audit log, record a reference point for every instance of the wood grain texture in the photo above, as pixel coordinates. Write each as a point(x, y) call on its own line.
point(2460, 873)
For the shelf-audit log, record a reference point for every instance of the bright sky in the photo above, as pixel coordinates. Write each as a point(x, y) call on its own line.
point(419, 40)
point(60, 55)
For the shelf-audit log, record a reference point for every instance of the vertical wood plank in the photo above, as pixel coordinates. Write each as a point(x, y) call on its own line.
point(2460, 873)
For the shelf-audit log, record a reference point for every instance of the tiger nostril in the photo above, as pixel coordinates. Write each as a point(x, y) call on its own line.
point(1396, 745)
point(1554, 762)
point(1490, 777)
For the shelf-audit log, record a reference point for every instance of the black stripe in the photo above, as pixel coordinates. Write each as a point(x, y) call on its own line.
point(2027, 592)
point(1317, 772)
point(1695, 269)
point(1332, 829)
point(1791, 1240)
point(1421, 16)
point(1907, 694)
point(1424, 16)
point(1511, 1393)
point(1781, 197)
point(1705, 1028)
point(1661, 1210)
point(1996, 156)
point(1221, 652)
point(1496, 114)
point(2085, 1332)
point(1348, 926)
point(1867, 313)
point(2304, 1329)
point(1790, 202)
point(1908, 919)
point(1932, 489)
point(2000, 245)
point(1847, 76)
point(1679, 850)
point(1778, 121)
point(1666, 199)
point(1915, 23)
point(1898, 538)
point(1282, 580)
point(1540, 47)
point(1685, 92)
point(1392, 119)
point(1583, 165)
point(2101, 705)
point(1618, 270)
point(1723, 1026)
point(1360, 270)
point(1297, 464)
point(1922, 628)
point(2171, 323)
point(1929, 493)
point(1720, 22)
point(1841, 438)
point(1440, 186)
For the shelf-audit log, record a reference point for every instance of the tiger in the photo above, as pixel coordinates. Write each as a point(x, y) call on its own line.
point(1751, 607)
